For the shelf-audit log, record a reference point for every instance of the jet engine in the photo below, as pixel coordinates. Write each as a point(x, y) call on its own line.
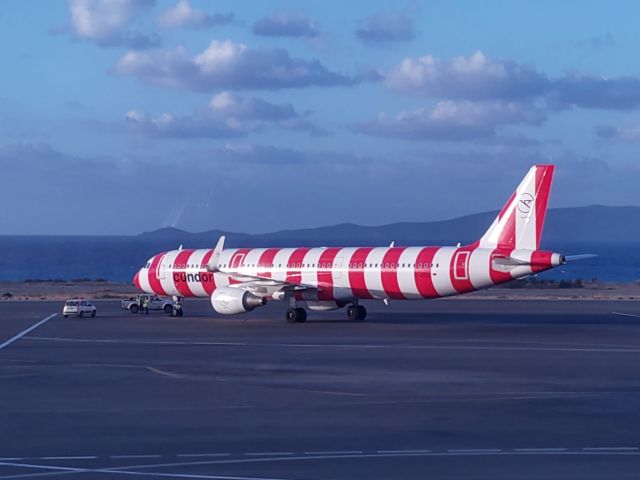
point(230, 301)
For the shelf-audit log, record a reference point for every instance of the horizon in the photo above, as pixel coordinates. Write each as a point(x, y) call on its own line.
point(297, 229)
point(123, 117)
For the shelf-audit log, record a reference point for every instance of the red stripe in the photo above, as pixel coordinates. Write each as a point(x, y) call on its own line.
point(325, 275)
point(265, 263)
point(294, 275)
point(208, 280)
point(459, 270)
point(496, 275)
point(238, 257)
point(179, 273)
point(540, 260)
point(356, 273)
point(544, 175)
point(422, 272)
point(389, 274)
point(136, 280)
point(154, 281)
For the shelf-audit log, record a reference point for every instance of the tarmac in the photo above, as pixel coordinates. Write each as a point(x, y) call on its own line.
point(473, 389)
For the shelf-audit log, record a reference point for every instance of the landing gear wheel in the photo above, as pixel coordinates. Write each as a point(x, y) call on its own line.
point(134, 308)
point(296, 315)
point(362, 312)
point(352, 312)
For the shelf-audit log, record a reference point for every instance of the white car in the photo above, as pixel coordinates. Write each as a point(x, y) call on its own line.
point(78, 308)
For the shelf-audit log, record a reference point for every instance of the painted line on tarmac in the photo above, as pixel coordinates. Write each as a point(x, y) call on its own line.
point(200, 455)
point(345, 346)
point(330, 453)
point(24, 332)
point(622, 314)
point(123, 457)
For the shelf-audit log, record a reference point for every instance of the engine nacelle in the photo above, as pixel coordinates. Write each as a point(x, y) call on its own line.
point(229, 301)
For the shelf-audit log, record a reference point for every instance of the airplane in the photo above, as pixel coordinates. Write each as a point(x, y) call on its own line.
point(238, 280)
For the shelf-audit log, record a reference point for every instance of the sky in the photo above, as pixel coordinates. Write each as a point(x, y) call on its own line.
point(124, 116)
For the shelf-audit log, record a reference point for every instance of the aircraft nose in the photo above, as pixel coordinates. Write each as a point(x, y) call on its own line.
point(136, 279)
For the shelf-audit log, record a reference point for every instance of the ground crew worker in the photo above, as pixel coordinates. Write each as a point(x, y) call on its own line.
point(140, 304)
point(145, 305)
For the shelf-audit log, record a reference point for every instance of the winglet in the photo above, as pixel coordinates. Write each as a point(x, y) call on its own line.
point(212, 266)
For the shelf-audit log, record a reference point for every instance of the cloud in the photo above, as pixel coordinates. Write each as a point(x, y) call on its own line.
point(227, 65)
point(285, 24)
point(183, 15)
point(453, 121)
point(472, 78)
point(479, 78)
point(227, 115)
point(105, 22)
point(590, 91)
point(230, 105)
point(169, 126)
point(624, 134)
point(386, 27)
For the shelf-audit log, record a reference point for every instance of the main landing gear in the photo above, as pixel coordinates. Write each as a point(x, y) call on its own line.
point(356, 312)
point(296, 315)
point(299, 315)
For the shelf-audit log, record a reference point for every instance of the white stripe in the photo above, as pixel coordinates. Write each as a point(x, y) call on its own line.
point(441, 272)
point(480, 268)
point(167, 282)
point(406, 275)
point(196, 259)
point(525, 221)
point(24, 332)
point(373, 276)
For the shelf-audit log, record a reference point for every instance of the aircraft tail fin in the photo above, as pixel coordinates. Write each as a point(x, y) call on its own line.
point(519, 223)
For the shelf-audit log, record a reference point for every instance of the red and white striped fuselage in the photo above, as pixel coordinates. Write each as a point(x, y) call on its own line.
point(238, 280)
point(344, 274)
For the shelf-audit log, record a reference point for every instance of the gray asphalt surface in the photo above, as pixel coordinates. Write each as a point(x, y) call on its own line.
point(443, 389)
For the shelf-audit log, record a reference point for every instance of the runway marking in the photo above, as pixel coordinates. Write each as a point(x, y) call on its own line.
point(264, 454)
point(186, 475)
point(610, 449)
point(121, 457)
point(540, 450)
point(338, 452)
point(24, 332)
point(196, 455)
point(626, 314)
point(82, 457)
point(392, 452)
point(475, 450)
point(630, 349)
point(479, 452)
